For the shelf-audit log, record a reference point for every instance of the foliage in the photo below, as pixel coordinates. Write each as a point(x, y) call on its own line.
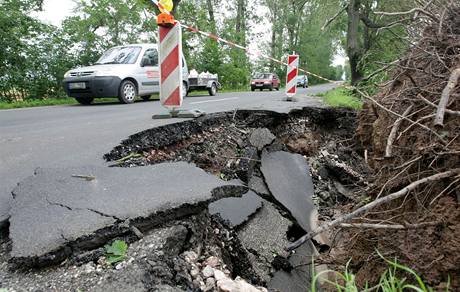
point(341, 97)
point(36, 55)
point(116, 252)
point(3, 290)
point(394, 279)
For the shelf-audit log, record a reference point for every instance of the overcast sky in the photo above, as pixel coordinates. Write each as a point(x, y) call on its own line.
point(54, 11)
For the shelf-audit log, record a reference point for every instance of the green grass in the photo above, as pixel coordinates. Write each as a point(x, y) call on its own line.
point(37, 102)
point(397, 278)
point(55, 101)
point(341, 97)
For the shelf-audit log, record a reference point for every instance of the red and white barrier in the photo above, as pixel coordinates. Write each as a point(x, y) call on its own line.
point(170, 55)
point(292, 72)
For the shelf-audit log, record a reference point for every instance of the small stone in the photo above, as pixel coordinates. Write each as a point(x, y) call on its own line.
point(210, 284)
point(190, 256)
point(89, 268)
point(219, 275)
point(212, 261)
point(227, 285)
point(194, 272)
point(208, 272)
point(261, 137)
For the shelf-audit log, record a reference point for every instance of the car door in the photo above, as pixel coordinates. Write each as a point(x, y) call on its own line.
point(149, 75)
point(276, 81)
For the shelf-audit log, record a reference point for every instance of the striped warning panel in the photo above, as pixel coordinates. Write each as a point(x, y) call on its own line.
point(292, 71)
point(170, 55)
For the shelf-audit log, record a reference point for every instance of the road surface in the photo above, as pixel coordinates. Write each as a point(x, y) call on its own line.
point(78, 135)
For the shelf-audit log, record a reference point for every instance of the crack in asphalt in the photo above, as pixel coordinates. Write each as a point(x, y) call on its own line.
point(82, 209)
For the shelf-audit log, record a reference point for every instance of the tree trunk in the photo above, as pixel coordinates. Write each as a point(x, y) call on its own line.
point(240, 27)
point(273, 42)
point(353, 46)
point(212, 19)
point(175, 3)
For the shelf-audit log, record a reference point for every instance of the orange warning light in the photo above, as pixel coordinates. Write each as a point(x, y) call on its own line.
point(165, 19)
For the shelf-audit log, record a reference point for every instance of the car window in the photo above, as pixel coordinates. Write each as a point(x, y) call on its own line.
point(262, 76)
point(120, 55)
point(150, 58)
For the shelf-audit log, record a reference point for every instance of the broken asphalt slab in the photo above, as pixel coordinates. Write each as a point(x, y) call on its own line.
point(236, 211)
point(57, 211)
point(261, 137)
point(288, 177)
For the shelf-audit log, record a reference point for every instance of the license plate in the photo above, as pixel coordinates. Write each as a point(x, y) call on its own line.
point(259, 85)
point(77, 85)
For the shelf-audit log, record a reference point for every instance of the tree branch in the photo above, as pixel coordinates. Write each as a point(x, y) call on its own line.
point(389, 226)
point(448, 111)
point(394, 131)
point(414, 10)
point(398, 115)
point(453, 81)
point(330, 20)
point(373, 204)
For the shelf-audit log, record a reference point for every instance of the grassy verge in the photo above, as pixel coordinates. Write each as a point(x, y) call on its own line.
point(37, 102)
point(341, 97)
point(396, 278)
point(54, 101)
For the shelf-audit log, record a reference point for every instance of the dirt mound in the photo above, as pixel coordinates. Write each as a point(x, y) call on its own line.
point(411, 130)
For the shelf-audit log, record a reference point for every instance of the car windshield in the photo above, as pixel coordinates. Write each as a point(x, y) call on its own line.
point(120, 55)
point(262, 76)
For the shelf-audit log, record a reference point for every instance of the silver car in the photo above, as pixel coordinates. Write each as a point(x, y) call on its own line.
point(123, 71)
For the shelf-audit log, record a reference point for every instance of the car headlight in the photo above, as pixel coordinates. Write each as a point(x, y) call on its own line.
point(267, 82)
point(67, 74)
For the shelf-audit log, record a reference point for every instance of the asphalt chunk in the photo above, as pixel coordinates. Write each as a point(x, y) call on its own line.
point(54, 213)
point(288, 178)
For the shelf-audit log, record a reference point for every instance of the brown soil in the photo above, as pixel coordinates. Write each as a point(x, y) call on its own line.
point(418, 152)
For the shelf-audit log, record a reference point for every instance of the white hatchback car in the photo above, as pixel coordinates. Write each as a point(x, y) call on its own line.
point(123, 71)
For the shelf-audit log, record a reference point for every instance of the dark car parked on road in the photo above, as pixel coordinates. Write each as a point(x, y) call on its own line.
point(265, 81)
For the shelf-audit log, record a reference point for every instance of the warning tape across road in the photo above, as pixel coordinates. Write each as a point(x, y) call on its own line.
point(219, 39)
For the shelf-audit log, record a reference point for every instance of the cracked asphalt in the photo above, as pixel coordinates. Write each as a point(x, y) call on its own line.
point(75, 135)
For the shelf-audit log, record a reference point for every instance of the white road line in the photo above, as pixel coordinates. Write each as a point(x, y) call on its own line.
point(214, 100)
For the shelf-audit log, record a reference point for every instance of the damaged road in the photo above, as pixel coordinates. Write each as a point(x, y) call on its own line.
point(56, 212)
point(218, 228)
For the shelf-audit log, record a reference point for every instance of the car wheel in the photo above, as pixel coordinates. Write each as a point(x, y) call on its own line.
point(278, 88)
point(128, 92)
point(253, 89)
point(271, 87)
point(146, 97)
point(213, 90)
point(84, 100)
